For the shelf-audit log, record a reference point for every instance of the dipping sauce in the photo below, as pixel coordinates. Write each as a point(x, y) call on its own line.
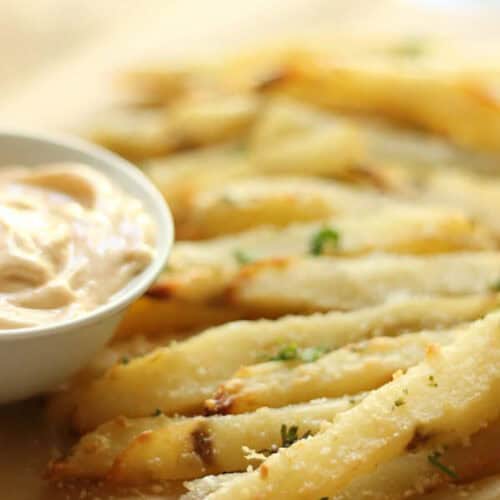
point(69, 240)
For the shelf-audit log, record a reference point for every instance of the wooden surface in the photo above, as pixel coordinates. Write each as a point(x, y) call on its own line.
point(57, 67)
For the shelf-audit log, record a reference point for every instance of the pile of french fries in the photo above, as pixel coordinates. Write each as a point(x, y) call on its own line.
point(327, 325)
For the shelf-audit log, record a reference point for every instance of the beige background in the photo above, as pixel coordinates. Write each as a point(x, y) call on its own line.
point(57, 57)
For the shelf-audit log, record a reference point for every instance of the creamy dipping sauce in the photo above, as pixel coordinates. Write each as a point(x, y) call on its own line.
point(69, 240)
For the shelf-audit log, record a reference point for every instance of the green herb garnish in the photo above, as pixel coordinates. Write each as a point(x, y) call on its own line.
point(399, 402)
point(311, 354)
point(409, 49)
point(432, 381)
point(495, 287)
point(124, 360)
point(291, 352)
point(289, 435)
point(157, 413)
point(324, 237)
point(434, 459)
point(287, 353)
point(242, 258)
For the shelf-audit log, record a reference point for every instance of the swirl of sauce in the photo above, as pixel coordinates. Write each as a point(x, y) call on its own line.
point(69, 240)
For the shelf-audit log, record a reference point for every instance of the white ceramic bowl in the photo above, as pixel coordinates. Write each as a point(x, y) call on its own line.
point(35, 360)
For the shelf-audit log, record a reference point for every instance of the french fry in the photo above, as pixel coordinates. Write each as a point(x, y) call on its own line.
point(199, 271)
point(295, 139)
point(357, 367)
point(178, 378)
point(278, 201)
point(215, 118)
point(160, 448)
point(433, 97)
point(485, 489)
point(135, 132)
point(315, 284)
point(444, 400)
point(479, 196)
point(182, 176)
point(408, 474)
point(154, 316)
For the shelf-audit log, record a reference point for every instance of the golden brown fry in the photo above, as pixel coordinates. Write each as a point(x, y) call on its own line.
point(276, 201)
point(357, 367)
point(485, 489)
point(178, 379)
point(408, 474)
point(200, 271)
point(315, 284)
point(158, 448)
point(443, 400)
point(156, 315)
point(432, 96)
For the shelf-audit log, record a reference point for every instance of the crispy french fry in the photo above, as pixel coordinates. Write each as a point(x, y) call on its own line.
point(408, 474)
point(158, 448)
point(199, 271)
point(153, 316)
point(479, 196)
point(276, 201)
point(443, 400)
point(181, 176)
point(178, 379)
point(312, 284)
point(135, 132)
point(213, 119)
point(357, 367)
point(485, 489)
point(434, 97)
point(292, 138)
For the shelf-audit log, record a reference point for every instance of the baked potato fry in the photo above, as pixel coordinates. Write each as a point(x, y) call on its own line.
point(199, 271)
point(279, 201)
point(178, 378)
point(479, 196)
point(295, 139)
point(325, 283)
point(430, 96)
point(408, 474)
point(183, 175)
point(156, 317)
point(443, 400)
point(161, 448)
point(136, 133)
point(485, 489)
point(299, 375)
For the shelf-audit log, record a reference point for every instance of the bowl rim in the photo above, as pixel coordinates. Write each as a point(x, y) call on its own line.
point(159, 210)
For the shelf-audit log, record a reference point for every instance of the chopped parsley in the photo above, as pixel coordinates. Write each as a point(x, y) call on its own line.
point(289, 435)
point(495, 287)
point(242, 258)
point(434, 459)
point(124, 360)
point(409, 49)
point(157, 413)
point(326, 236)
point(291, 352)
point(432, 381)
point(399, 402)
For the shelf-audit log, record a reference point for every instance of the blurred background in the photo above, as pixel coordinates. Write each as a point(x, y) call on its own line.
point(58, 57)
